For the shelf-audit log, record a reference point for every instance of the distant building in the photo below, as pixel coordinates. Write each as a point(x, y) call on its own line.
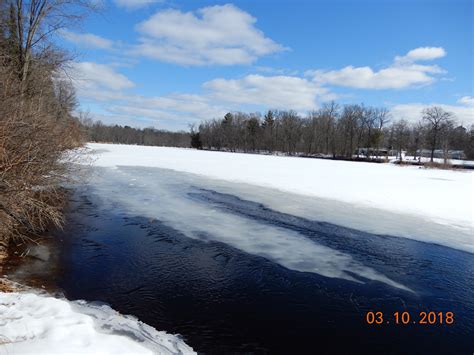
point(395, 153)
point(439, 153)
point(381, 152)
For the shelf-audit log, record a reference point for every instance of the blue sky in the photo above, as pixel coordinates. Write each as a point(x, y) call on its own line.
point(168, 64)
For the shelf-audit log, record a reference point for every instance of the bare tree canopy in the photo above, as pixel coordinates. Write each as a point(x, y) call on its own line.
point(438, 124)
point(30, 26)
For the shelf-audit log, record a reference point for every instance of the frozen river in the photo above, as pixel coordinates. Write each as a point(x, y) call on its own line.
point(238, 268)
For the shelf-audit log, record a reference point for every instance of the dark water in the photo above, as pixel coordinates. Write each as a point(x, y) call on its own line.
point(223, 300)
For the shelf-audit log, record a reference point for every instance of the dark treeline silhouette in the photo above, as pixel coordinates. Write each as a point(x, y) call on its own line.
point(338, 132)
point(99, 132)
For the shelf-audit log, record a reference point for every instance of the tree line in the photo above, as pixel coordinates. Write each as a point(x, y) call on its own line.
point(336, 131)
point(99, 132)
point(37, 126)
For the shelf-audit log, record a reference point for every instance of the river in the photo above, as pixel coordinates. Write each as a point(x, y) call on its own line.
point(234, 274)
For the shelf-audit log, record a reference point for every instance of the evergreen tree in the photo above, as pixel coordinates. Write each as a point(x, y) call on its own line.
point(196, 140)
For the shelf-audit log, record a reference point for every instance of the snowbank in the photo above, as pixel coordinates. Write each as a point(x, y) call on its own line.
point(442, 196)
point(40, 324)
point(454, 162)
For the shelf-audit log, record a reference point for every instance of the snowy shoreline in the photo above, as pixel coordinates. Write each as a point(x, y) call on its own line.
point(34, 323)
point(442, 196)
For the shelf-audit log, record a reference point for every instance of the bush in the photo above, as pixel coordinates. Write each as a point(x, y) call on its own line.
point(36, 128)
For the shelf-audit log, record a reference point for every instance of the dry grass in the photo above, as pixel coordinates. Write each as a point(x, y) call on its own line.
point(36, 132)
point(9, 286)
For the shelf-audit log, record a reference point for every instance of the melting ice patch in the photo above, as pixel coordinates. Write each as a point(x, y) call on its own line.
point(163, 195)
point(40, 324)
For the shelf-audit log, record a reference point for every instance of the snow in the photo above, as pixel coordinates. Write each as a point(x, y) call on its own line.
point(39, 324)
point(454, 162)
point(430, 205)
point(440, 196)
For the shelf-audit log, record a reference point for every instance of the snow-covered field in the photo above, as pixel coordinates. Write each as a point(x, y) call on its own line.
point(442, 196)
point(38, 324)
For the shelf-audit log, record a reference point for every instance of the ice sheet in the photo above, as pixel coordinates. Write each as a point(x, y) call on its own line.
point(429, 205)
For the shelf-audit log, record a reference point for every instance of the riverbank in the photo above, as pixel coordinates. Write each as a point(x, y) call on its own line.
point(37, 323)
point(38, 319)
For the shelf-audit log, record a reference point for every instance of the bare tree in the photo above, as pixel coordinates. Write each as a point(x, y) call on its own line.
point(32, 23)
point(446, 133)
point(416, 139)
point(382, 117)
point(349, 127)
point(329, 112)
point(401, 136)
point(330, 130)
point(291, 128)
point(437, 120)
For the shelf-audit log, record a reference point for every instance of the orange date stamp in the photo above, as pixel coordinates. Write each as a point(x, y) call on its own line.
point(405, 318)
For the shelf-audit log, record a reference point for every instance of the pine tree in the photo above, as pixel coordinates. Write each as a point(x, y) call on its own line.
point(268, 130)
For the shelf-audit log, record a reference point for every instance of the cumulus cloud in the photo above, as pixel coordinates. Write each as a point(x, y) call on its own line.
point(412, 112)
point(87, 40)
point(422, 53)
point(466, 100)
point(221, 34)
point(196, 106)
point(123, 120)
point(103, 86)
point(134, 4)
point(91, 75)
point(174, 111)
point(402, 73)
point(288, 92)
point(106, 88)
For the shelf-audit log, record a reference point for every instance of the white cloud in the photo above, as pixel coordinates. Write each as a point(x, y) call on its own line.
point(123, 120)
point(413, 112)
point(169, 112)
point(173, 112)
point(422, 53)
point(402, 73)
point(221, 34)
point(194, 107)
point(466, 100)
point(89, 76)
point(288, 92)
point(87, 40)
point(275, 71)
point(152, 115)
point(135, 4)
point(103, 86)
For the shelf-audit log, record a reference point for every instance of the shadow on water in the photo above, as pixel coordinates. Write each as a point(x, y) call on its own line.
point(223, 300)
